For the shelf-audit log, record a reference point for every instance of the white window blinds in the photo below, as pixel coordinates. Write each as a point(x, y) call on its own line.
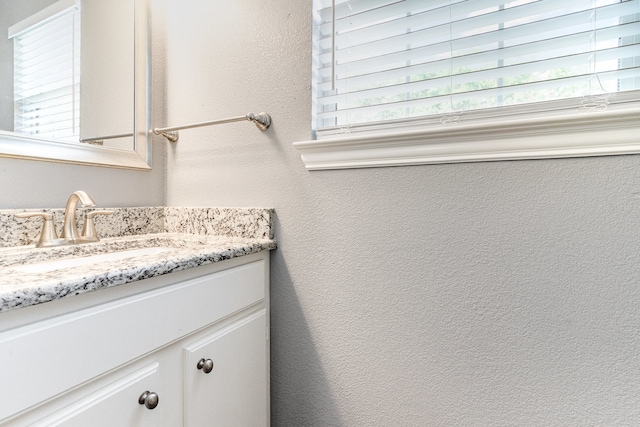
point(47, 73)
point(385, 63)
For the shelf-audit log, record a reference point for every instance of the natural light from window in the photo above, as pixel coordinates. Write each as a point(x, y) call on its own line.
point(386, 61)
point(47, 74)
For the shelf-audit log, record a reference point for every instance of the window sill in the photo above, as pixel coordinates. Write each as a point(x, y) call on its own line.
point(578, 135)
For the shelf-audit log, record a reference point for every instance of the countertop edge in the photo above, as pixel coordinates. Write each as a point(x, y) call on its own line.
point(78, 281)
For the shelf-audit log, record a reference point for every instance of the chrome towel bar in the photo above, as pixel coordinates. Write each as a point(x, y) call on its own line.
point(261, 120)
point(100, 138)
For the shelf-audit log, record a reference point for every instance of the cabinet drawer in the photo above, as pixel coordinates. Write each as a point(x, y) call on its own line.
point(40, 361)
point(117, 404)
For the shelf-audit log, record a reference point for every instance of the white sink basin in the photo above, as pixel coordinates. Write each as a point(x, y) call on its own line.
point(44, 267)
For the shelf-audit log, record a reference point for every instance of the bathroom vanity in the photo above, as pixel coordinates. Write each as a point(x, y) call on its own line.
point(164, 337)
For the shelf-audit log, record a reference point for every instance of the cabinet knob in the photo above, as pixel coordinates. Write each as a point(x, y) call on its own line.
point(149, 399)
point(206, 365)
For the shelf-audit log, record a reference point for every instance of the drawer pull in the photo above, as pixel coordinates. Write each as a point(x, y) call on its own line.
point(149, 399)
point(206, 365)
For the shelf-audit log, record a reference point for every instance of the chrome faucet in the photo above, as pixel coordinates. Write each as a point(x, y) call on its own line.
point(69, 227)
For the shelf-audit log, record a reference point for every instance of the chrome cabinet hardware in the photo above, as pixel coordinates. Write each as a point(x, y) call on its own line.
point(149, 399)
point(206, 365)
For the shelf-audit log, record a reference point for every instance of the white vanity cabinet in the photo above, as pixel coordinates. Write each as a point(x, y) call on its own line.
point(196, 340)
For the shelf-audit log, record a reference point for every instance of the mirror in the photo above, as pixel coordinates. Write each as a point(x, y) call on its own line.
point(89, 102)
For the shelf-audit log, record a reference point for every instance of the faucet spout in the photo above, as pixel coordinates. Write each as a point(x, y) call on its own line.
point(69, 228)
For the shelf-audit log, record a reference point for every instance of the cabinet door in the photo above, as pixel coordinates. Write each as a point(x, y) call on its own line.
point(114, 405)
point(235, 392)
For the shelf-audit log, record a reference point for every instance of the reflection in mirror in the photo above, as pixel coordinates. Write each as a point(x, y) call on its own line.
point(74, 81)
point(106, 77)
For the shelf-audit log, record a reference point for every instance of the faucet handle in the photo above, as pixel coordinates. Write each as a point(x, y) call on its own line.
point(91, 214)
point(89, 227)
point(48, 234)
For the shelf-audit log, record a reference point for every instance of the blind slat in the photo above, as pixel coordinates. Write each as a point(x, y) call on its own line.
point(474, 82)
point(465, 17)
point(347, 78)
point(538, 92)
point(555, 27)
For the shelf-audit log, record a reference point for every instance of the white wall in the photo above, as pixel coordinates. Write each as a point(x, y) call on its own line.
point(485, 294)
point(107, 72)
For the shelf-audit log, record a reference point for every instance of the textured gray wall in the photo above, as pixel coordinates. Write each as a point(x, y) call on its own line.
point(35, 184)
point(485, 294)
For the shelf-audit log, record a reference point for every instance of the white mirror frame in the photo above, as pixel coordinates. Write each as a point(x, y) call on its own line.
point(17, 146)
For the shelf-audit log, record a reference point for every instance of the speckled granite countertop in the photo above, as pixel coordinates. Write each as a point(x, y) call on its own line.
point(187, 238)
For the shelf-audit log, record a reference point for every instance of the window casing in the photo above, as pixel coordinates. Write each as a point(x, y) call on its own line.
point(438, 68)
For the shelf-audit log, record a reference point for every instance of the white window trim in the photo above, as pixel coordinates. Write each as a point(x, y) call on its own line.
point(611, 132)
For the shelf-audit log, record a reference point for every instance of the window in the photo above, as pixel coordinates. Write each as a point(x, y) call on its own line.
point(47, 72)
point(429, 73)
